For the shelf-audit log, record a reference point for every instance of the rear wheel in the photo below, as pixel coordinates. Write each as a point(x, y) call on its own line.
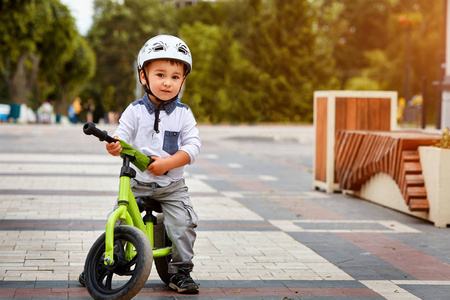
point(125, 277)
point(161, 241)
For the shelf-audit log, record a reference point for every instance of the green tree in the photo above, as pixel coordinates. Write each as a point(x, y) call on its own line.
point(67, 59)
point(377, 75)
point(423, 22)
point(281, 43)
point(40, 44)
point(220, 89)
point(118, 32)
point(385, 44)
point(354, 27)
point(74, 73)
point(413, 51)
point(258, 60)
point(23, 26)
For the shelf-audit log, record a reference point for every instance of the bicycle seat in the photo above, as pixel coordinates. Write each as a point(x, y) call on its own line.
point(148, 204)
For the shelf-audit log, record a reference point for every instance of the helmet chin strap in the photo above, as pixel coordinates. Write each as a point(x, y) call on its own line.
point(161, 102)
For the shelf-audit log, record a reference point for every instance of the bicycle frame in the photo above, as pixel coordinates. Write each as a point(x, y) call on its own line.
point(128, 211)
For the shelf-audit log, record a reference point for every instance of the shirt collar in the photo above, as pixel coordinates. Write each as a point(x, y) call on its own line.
point(168, 108)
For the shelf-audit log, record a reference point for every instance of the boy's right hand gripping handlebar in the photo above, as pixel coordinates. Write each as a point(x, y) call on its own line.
point(89, 128)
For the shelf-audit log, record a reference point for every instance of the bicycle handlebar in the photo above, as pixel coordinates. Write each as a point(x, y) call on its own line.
point(90, 129)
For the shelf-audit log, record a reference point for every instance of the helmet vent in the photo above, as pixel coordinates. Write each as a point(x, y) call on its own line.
point(183, 49)
point(160, 46)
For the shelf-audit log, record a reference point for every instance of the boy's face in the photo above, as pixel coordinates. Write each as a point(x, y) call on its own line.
point(165, 79)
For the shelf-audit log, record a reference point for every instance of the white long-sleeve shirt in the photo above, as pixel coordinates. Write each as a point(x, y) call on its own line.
point(177, 131)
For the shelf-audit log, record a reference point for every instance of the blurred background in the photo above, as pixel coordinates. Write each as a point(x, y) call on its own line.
point(253, 60)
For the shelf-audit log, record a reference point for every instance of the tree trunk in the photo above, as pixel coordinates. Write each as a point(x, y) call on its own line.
point(63, 105)
point(24, 78)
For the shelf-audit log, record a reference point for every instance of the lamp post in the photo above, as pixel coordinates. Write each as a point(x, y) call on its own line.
point(445, 103)
point(408, 20)
point(408, 57)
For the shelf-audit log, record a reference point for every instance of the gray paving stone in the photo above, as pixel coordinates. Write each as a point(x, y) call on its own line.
point(17, 284)
point(428, 292)
point(353, 260)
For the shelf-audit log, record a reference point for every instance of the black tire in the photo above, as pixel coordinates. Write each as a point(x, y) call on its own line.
point(162, 240)
point(106, 282)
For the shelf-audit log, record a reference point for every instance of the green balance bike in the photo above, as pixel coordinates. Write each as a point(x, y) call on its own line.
point(119, 262)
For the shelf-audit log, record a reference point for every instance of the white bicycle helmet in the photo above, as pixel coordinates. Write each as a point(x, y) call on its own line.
point(165, 47)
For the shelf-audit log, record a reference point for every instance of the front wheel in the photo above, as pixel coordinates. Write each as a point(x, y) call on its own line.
point(125, 277)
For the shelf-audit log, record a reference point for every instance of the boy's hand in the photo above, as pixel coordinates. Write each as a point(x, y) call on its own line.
point(158, 167)
point(114, 148)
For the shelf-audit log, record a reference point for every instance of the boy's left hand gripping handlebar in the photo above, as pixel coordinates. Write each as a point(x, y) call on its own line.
point(90, 128)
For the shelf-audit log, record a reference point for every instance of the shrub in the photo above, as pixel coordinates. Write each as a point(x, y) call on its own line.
point(445, 140)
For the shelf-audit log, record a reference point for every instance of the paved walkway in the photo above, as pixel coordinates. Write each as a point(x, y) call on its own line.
point(264, 233)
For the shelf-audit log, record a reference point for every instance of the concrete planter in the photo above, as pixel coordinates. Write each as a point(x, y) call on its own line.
point(436, 172)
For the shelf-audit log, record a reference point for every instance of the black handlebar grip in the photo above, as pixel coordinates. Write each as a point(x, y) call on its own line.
point(90, 128)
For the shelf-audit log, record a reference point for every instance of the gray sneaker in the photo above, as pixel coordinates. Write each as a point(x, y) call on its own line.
point(182, 282)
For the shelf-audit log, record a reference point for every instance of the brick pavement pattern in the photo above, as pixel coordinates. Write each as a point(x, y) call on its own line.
point(263, 232)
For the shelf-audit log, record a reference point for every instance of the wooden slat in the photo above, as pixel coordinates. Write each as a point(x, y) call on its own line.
point(320, 168)
point(410, 156)
point(411, 180)
point(414, 180)
point(419, 205)
point(417, 192)
point(412, 168)
point(356, 140)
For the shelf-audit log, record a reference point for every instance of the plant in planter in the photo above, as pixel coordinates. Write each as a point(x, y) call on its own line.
point(445, 140)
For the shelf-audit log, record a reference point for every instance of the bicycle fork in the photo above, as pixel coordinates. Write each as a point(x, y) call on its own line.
point(128, 211)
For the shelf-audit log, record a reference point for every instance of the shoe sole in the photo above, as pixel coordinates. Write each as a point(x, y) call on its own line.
point(81, 282)
point(183, 291)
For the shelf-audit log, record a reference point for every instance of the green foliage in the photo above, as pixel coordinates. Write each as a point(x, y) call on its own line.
point(119, 31)
point(67, 59)
point(375, 76)
point(41, 52)
point(281, 46)
point(200, 89)
point(22, 27)
point(255, 65)
point(222, 82)
point(107, 98)
point(371, 38)
point(362, 83)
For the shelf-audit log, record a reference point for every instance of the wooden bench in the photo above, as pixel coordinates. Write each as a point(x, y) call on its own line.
point(359, 155)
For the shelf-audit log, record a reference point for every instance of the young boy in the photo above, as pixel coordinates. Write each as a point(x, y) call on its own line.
point(164, 129)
